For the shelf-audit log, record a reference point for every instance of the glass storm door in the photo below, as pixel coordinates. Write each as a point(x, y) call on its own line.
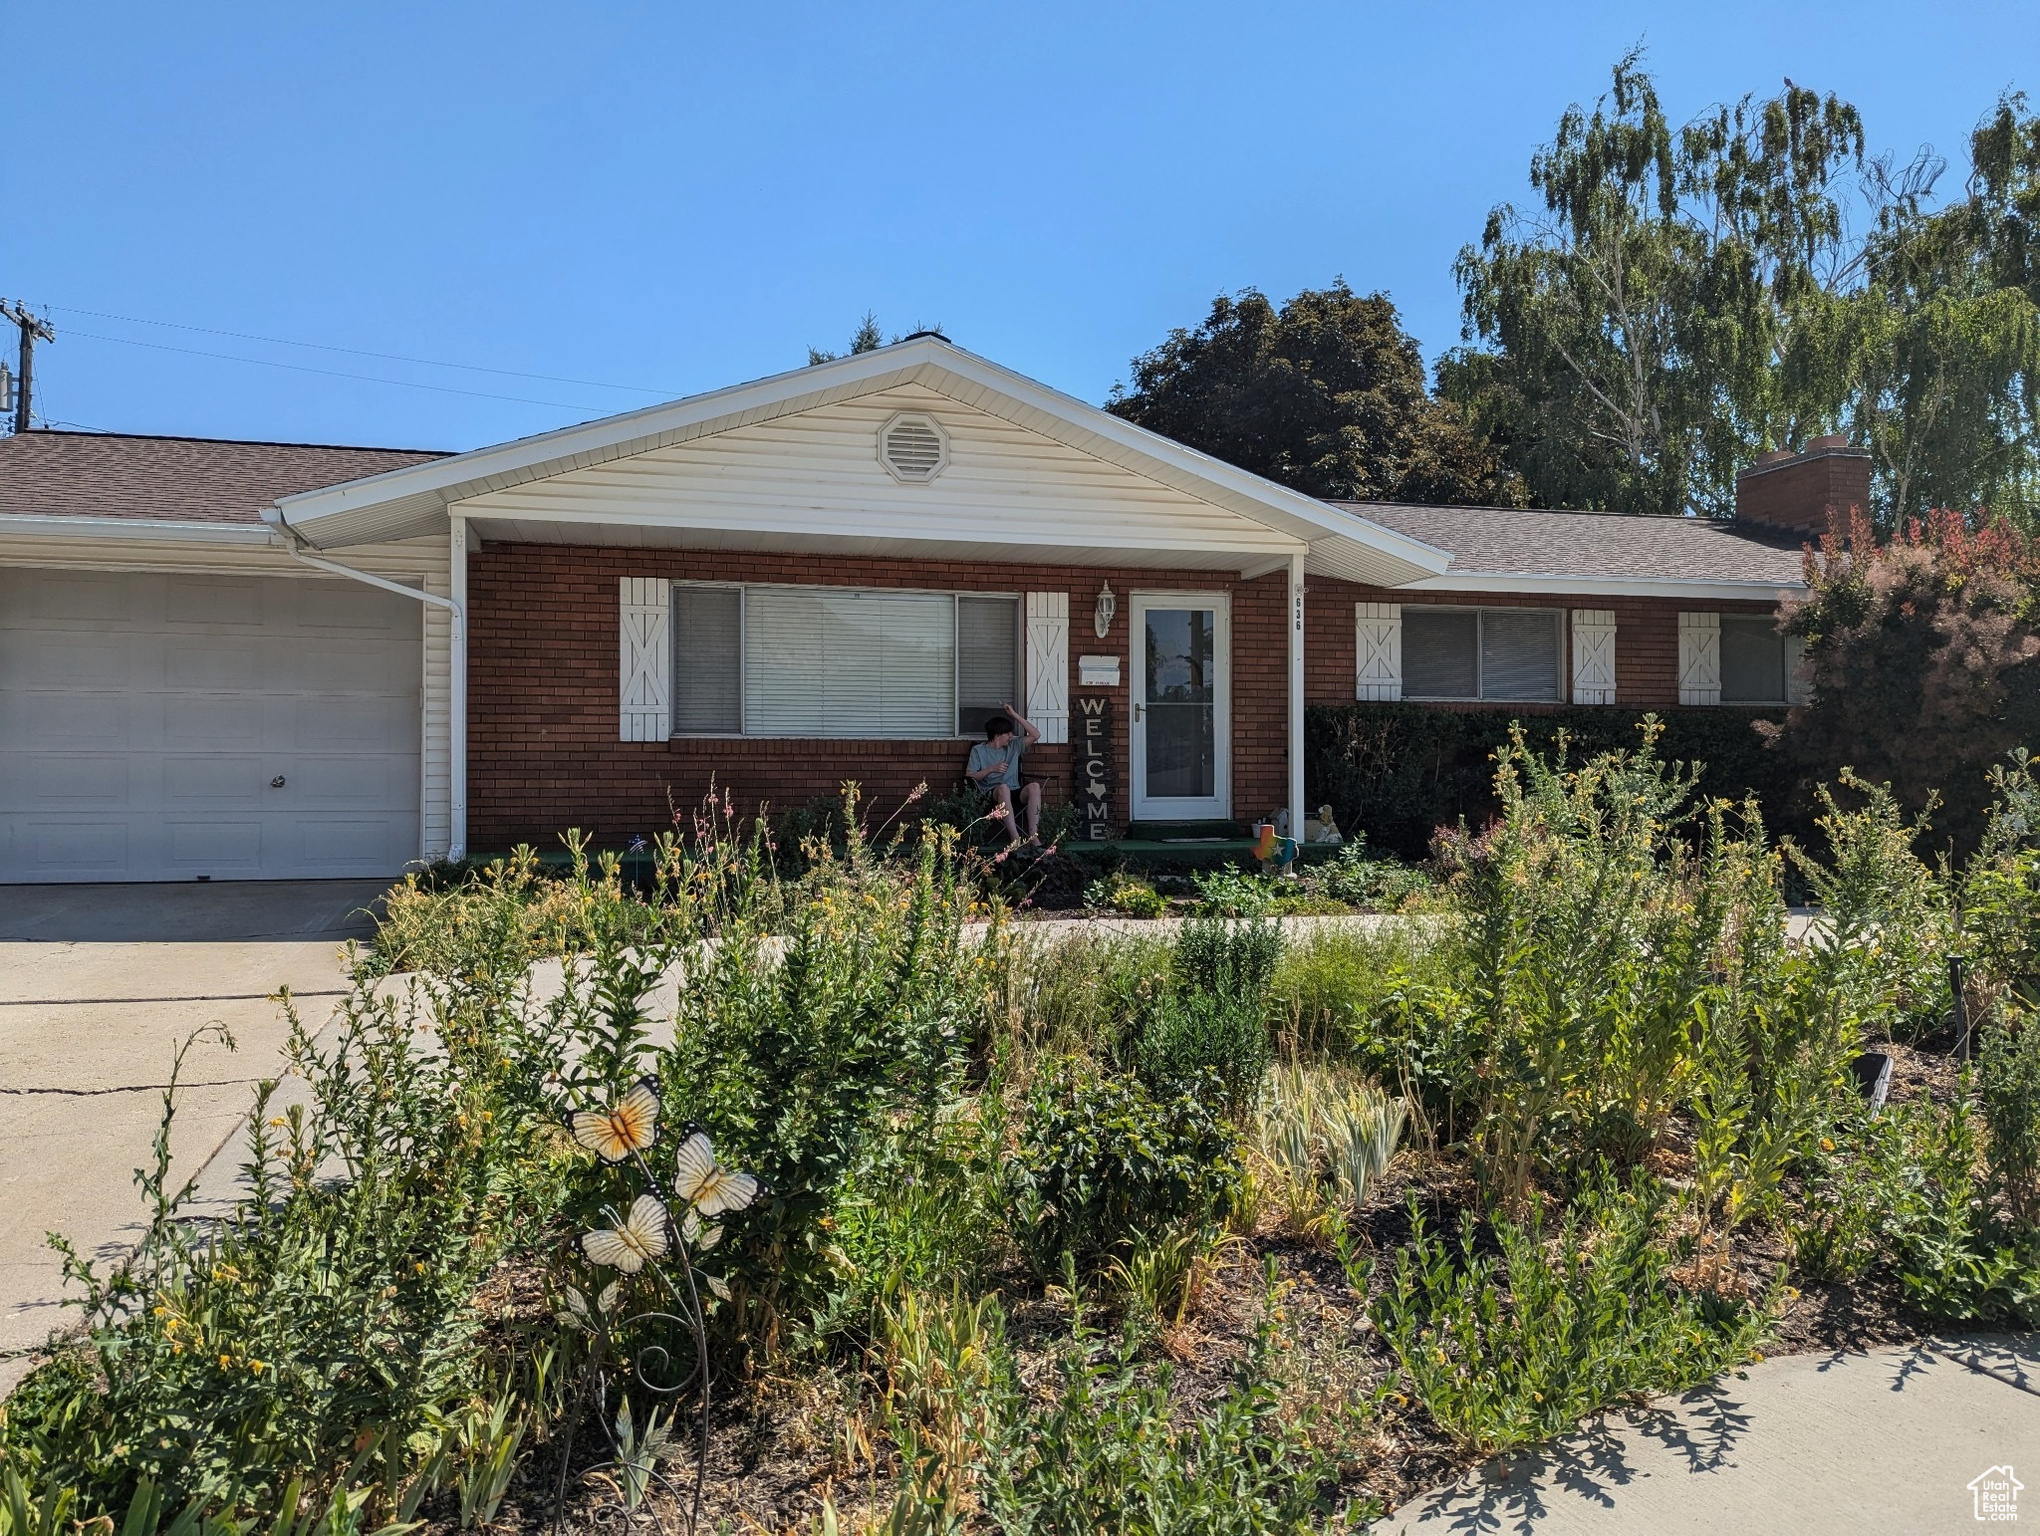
point(1182, 707)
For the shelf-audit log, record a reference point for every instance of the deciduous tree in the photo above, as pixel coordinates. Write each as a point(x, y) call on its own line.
point(1325, 394)
point(1680, 300)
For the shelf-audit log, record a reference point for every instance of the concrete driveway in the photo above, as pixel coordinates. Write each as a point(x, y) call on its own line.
point(98, 983)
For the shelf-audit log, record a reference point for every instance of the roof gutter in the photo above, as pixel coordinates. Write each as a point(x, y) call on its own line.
point(1607, 586)
point(134, 529)
point(456, 845)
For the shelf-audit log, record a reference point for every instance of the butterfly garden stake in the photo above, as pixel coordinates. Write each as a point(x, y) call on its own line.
point(647, 1239)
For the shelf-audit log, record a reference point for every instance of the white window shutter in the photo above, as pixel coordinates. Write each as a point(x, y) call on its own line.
point(1798, 675)
point(1699, 658)
point(644, 659)
point(1377, 651)
point(1048, 665)
point(1593, 655)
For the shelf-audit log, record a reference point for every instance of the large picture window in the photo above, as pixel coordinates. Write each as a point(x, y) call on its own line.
point(1504, 655)
point(840, 661)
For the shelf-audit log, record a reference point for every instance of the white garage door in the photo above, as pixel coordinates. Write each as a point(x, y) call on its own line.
point(166, 727)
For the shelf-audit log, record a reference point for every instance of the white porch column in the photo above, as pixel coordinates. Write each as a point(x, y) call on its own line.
point(456, 704)
point(1296, 695)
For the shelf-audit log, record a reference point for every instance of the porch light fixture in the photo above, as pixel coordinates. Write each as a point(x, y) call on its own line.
point(1108, 605)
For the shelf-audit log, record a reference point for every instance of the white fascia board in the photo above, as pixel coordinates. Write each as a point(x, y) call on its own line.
point(343, 513)
point(1608, 586)
point(133, 529)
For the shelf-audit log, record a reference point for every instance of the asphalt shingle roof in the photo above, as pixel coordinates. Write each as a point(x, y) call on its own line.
point(172, 479)
point(212, 480)
point(1516, 541)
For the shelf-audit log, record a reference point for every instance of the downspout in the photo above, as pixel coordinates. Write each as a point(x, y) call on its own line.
point(456, 607)
point(1296, 695)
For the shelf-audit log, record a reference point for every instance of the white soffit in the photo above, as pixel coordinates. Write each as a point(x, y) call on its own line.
point(413, 502)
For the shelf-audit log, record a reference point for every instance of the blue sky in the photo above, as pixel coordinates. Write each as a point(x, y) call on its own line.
point(682, 197)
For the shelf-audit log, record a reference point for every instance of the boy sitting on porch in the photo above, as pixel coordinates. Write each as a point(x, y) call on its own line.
point(995, 770)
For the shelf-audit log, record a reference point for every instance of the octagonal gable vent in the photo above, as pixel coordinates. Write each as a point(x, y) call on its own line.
point(913, 448)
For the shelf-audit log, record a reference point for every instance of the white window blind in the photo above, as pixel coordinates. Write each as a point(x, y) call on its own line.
point(1500, 654)
point(708, 661)
point(832, 662)
point(987, 660)
point(1519, 655)
point(1440, 653)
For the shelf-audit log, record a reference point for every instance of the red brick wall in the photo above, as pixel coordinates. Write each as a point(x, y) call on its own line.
point(542, 693)
point(1646, 636)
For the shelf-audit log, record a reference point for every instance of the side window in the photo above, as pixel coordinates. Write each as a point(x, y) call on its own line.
point(1752, 660)
point(987, 660)
point(708, 661)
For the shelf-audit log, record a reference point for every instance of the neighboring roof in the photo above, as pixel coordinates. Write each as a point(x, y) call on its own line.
point(412, 502)
point(173, 479)
point(1598, 547)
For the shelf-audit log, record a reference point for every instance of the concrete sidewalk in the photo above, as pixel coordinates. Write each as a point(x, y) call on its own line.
point(1886, 1441)
point(98, 984)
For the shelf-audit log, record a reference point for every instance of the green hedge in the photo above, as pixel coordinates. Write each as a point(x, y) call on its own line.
point(1399, 771)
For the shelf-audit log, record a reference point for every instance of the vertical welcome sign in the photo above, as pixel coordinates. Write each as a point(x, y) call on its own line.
point(1091, 758)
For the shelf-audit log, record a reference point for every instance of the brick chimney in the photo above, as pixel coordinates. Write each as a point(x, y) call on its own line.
point(1801, 491)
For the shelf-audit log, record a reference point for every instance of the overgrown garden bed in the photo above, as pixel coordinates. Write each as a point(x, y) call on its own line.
point(1203, 1228)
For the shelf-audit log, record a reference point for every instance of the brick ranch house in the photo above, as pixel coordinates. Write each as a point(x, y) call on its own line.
point(243, 660)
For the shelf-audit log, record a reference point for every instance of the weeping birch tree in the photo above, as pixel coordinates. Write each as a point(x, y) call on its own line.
point(1676, 301)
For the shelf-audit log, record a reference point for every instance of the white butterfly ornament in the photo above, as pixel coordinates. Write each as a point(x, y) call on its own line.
point(704, 1186)
point(641, 1235)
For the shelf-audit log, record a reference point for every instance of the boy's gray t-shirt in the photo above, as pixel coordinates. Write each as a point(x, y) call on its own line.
point(984, 755)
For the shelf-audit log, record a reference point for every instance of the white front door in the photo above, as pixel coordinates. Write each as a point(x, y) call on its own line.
point(171, 727)
point(1182, 706)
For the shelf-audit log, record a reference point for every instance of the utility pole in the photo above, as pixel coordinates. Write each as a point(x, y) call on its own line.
point(33, 328)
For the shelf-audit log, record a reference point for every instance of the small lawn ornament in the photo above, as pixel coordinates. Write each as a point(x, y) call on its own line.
point(653, 1240)
point(1276, 853)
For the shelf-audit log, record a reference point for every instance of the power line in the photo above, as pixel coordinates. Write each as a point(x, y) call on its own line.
point(388, 357)
point(332, 373)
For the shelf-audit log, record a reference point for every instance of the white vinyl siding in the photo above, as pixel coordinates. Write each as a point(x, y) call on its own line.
point(781, 482)
point(1499, 655)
